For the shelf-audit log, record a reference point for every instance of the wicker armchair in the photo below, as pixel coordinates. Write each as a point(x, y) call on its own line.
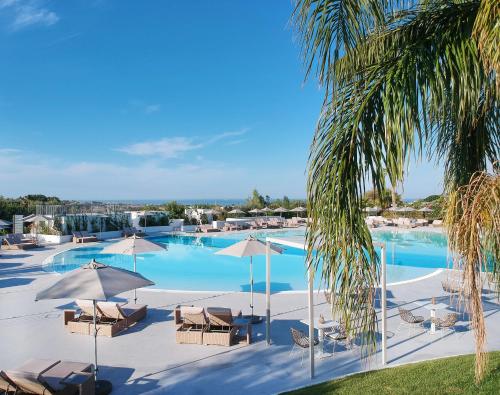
point(450, 287)
point(409, 321)
point(339, 335)
point(447, 323)
point(301, 343)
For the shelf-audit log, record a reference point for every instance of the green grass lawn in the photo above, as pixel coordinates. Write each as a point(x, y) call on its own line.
point(444, 376)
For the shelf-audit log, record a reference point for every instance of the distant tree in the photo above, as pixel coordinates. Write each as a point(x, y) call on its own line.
point(256, 201)
point(286, 202)
point(175, 209)
point(431, 198)
point(383, 199)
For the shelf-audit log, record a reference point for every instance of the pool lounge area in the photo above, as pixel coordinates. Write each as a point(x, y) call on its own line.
point(146, 358)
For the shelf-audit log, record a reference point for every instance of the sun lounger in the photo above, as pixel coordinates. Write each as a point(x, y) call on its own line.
point(422, 222)
point(127, 232)
point(7, 386)
point(274, 223)
point(223, 330)
point(207, 229)
point(17, 242)
point(254, 225)
point(230, 227)
point(83, 237)
point(194, 324)
point(45, 377)
point(406, 223)
point(112, 317)
point(291, 223)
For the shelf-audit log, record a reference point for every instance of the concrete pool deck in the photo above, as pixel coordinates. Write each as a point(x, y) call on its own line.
point(146, 359)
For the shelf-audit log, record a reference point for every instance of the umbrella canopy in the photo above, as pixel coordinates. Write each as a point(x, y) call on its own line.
point(37, 218)
point(94, 281)
point(406, 209)
point(255, 211)
point(267, 209)
point(131, 246)
point(281, 210)
point(370, 209)
point(211, 212)
point(299, 209)
point(248, 247)
point(236, 211)
point(425, 210)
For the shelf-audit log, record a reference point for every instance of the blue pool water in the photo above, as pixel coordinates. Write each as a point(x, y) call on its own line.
point(189, 263)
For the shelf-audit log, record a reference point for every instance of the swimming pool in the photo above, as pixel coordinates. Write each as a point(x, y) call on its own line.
point(189, 263)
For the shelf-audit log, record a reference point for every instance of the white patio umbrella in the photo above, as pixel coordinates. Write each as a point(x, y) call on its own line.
point(406, 210)
point(281, 210)
point(249, 247)
point(299, 209)
point(97, 282)
point(236, 211)
point(425, 210)
point(266, 210)
point(255, 211)
point(132, 246)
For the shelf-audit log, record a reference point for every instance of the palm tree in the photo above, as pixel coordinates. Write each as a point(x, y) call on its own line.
point(400, 76)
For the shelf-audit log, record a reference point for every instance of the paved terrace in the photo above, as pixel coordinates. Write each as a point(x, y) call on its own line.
point(146, 359)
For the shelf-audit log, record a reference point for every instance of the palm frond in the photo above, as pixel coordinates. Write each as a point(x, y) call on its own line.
point(409, 78)
point(473, 226)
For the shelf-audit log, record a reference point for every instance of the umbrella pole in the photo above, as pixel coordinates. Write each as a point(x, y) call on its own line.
point(95, 339)
point(251, 285)
point(135, 271)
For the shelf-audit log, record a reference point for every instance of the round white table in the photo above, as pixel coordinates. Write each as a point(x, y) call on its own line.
point(321, 326)
point(427, 304)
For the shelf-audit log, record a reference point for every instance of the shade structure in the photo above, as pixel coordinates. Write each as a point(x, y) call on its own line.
point(406, 209)
point(132, 246)
point(394, 208)
point(236, 211)
point(94, 281)
point(267, 210)
point(97, 282)
point(425, 210)
point(255, 211)
point(299, 209)
point(38, 218)
point(211, 212)
point(281, 210)
point(249, 247)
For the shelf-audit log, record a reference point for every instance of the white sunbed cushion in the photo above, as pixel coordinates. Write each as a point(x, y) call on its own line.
point(86, 306)
point(191, 310)
point(110, 309)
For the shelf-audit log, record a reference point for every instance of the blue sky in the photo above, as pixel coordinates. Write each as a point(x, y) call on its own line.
point(157, 100)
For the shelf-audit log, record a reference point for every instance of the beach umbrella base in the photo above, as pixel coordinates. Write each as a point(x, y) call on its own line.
point(253, 319)
point(103, 387)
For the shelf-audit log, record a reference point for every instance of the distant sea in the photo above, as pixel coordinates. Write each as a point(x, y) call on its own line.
point(187, 202)
point(221, 202)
